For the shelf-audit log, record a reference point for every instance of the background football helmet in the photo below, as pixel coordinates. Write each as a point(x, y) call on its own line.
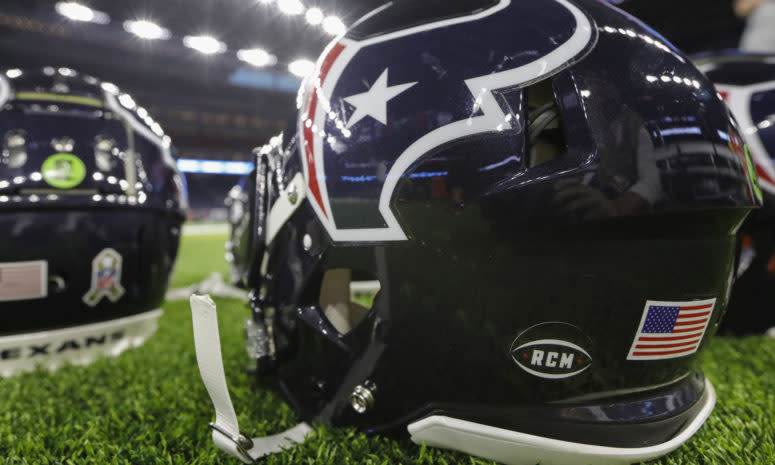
point(91, 204)
point(547, 193)
point(747, 84)
point(239, 203)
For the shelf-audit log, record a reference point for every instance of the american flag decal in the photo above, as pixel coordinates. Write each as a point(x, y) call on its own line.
point(23, 280)
point(671, 329)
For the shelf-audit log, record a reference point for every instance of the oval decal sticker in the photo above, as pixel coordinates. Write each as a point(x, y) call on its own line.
point(551, 358)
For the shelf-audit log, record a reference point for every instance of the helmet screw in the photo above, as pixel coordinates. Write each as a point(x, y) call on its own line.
point(306, 241)
point(293, 196)
point(362, 398)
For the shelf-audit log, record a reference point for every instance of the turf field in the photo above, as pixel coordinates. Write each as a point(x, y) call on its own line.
point(148, 406)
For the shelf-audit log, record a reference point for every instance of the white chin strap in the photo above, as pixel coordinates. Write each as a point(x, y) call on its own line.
point(226, 434)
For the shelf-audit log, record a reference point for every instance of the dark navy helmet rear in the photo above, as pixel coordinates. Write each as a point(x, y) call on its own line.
point(92, 202)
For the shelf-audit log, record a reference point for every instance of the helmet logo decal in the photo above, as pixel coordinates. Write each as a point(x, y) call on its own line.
point(105, 278)
point(374, 102)
point(551, 358)
point(552, 350)
point(354, 99)
point(63, 170)
point(671, 329)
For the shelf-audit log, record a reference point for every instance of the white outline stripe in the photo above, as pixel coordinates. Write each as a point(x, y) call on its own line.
point(283, 208)
point(481, 87)
point(5, 91)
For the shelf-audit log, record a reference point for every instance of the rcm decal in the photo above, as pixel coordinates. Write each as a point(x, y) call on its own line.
point(359, 87)
point(551, 358)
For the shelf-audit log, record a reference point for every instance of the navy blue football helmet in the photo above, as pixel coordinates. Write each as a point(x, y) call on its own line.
point(91, 203)
point(239, 203)
point(543, 197)
point(747, 83)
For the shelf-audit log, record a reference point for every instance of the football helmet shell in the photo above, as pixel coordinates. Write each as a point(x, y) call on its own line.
point(747, 83)
point(547, 193)
point(92, 202)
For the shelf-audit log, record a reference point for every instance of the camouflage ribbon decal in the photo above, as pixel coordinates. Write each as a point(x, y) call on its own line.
point(105, 278)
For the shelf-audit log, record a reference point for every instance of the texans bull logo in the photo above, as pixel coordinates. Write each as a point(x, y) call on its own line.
point(376, 106)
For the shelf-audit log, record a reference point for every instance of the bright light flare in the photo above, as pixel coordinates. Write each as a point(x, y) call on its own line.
point(334, 26)
point(77, 12)
point(257, 57)
point(314, 16)
point(290, 7)
point(109, 87)
point(145, 29)
point(127, 101)
point(301, 68)
point(204, 44)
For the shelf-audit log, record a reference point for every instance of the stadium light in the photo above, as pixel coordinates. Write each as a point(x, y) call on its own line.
point(204, 44)
point(314, 16)
point(301, 68)
point(13, 73)
point(257, 57)
point(145, 29)
point(77, 12)
point(334, 26)
point(290, 7)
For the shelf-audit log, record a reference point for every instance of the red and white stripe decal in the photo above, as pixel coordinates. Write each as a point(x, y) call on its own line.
point(310, 107)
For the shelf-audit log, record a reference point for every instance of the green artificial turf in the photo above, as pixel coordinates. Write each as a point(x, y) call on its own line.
point(148, 406)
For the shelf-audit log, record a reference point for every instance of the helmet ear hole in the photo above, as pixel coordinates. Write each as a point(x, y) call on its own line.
point(345, 301)
point(545, 134)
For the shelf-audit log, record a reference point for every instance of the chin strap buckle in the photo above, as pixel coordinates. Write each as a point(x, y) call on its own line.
point(225, 429)
point(241, 442)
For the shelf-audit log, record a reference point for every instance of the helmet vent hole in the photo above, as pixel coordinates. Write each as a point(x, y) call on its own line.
point(545, 135)
point(346, 297)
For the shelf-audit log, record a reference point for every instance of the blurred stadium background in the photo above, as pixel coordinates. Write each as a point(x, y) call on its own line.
point(221, 76)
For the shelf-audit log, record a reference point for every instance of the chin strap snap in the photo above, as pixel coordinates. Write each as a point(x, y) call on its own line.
point(226, 434)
